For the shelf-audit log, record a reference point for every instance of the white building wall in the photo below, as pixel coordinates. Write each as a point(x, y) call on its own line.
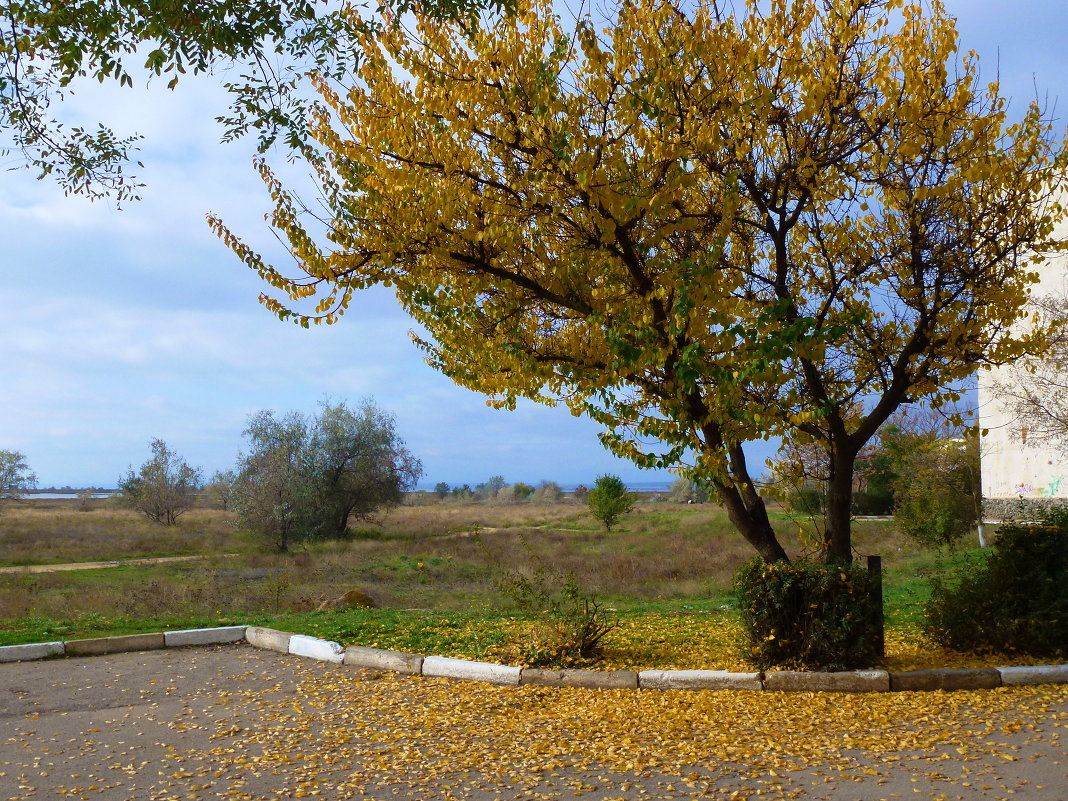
point(1012, 466)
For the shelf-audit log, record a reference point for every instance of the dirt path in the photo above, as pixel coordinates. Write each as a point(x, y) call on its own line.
point(237, 723)
point(156, 560)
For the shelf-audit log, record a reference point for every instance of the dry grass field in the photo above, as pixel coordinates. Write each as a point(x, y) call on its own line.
point(664, 572)
point(56, 530)
point(438, 556)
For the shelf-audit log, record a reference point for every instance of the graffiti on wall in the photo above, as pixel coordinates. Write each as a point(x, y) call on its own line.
point(1052, 489)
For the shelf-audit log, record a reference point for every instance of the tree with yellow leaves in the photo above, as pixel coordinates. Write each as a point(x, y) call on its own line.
point(700, 228)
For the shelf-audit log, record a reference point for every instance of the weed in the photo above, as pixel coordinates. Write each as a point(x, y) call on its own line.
point(569, 623)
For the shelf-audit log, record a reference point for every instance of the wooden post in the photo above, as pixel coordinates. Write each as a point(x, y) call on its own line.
point(875, 572)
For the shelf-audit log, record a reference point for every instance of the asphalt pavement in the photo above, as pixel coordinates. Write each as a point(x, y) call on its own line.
point(233, 722)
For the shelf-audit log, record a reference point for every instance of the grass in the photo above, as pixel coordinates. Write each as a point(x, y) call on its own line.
point(55, 531)
point(665, 572)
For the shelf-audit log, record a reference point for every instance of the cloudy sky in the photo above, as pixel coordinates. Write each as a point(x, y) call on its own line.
point(119, 326)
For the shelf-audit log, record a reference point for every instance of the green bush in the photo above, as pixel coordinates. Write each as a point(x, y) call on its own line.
point(806, 501)
point(936, 496)
point(609, 500)
point(1013, 599)
point(873, 502)
point(807, 615)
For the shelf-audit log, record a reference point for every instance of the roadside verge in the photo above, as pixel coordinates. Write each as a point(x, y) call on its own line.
point(857, 681)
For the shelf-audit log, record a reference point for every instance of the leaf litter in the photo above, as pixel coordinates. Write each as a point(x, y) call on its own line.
point(347, 733)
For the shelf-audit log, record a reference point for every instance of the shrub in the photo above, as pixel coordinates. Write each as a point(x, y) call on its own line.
point(879, 501)
point(807, 615)
point(937, 494)
point(806, 501)
point(569, 622)
point(521, 491)
point(1013, 598)
point(548, 492)
point(164, 488)
point(85, 500)
point(609, 500)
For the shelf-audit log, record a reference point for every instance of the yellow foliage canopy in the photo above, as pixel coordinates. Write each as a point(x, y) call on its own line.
point(700, 228)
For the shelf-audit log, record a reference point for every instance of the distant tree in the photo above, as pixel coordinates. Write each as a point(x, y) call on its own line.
point(15, 476)
point(273, 484)
point(684, 490)
point(220, 489)
point(548, 492)
point(581, 493)
point(923, 466)
point(464, 491)
point(521, 491)
point(896, 448)
point(441, 489)
point(304, 478)
point(489, 489)
point(85, 500)
point(609, 500)
point(937, 493)
point(163, 489)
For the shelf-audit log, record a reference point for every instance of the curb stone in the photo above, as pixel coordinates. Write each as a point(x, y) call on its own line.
point(271, 639)
point(219, 635)
point(698, 680)
point(314, 648)
point(96, 646)
point(847, 681)
point(946, 679)
point(30, 652)
point(1039, 674)
point(446, 667)
point(600, 679)
point(381, 659)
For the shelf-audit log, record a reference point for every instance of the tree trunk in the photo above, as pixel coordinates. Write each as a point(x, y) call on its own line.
point(749, 515)
point(838, 539)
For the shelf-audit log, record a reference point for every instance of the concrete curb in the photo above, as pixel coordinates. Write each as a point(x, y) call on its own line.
point(445, 667)
point(381, 659)
point(271, 639)
point(946, 679)
point(314, 648)
point(1039, 674)
point(857, 681)
point(698, 680)
point(600, 679)
point(847, 681)
point(219, 635)
point(115, 645)
point(30, 652)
